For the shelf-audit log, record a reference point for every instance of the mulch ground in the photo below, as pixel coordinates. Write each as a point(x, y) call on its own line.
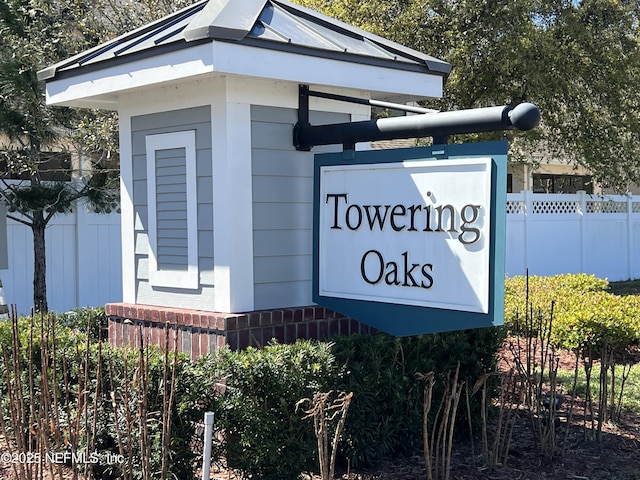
point(615, 457)
point(581, 454)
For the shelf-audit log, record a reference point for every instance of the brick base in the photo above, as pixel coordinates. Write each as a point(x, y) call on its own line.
point(200, 333)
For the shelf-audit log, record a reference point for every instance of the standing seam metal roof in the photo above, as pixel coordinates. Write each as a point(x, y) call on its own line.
point(272, 24)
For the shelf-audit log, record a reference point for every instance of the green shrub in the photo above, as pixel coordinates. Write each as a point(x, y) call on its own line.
point(533, 295)
point(193, 394)
point(625, 287)
point(86, 320)
point(264, 436)
point(385, 417)
point(586, 317)
point(594, 320)
point(27, 353)
point(85, 385)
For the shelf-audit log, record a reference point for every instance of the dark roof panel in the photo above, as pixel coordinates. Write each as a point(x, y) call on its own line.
point(107, 51)
point(276, 24)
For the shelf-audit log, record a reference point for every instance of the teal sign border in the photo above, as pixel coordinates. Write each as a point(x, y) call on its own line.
point(404, 320)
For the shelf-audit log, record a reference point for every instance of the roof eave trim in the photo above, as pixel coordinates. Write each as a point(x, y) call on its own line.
point(438, 68)
point(47, 73)
point(62, 74)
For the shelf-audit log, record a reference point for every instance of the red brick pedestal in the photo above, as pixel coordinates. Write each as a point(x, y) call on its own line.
point(200, 333)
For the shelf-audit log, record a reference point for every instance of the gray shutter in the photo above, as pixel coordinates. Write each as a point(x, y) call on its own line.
point(171, 209)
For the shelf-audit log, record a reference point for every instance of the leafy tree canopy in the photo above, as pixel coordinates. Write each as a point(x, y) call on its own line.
point(578, 60)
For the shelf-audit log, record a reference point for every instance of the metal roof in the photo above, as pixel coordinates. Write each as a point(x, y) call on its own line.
point(271, 24)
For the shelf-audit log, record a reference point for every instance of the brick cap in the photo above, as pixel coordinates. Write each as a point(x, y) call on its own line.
point(218, 320)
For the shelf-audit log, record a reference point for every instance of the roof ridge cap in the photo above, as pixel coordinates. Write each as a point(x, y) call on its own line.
point(224, 20)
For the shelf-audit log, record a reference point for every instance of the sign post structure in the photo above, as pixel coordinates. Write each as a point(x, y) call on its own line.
point(412, 241)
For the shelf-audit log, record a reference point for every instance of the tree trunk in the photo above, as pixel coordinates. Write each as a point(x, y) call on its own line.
point(39, 263)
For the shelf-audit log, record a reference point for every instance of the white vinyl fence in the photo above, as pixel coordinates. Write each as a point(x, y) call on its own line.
point(548, 234)
point(83, 262)
point(573, 233)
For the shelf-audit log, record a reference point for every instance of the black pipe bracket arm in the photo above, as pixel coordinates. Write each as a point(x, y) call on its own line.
point(439, 125)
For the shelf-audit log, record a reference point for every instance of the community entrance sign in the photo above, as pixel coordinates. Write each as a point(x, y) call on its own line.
point(411, 241)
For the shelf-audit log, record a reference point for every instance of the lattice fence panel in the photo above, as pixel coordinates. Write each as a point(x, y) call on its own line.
point(606, 206)
point(515, 207)
point(112, 207)
point(555, 206)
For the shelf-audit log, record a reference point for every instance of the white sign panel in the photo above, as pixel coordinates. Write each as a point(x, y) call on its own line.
point(411, 233)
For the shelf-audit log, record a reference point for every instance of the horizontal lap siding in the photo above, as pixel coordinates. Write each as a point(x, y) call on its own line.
point(171, 207)
point(282, 189)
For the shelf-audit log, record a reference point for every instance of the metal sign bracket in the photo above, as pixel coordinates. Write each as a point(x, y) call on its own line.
point(428, 123)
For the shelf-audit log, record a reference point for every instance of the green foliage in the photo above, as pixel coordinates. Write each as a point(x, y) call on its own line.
point(92, 384)
point(625, 287)
point(630, 396)
point(32, 34)
point(540, 292)
point(266, 438)
point(253, 393)
point(88, 320)
point(586, 317)
point(385, 417)
point(35, 34)
point(193, 394)
point(33, 330)
point(49, 197)
point(255, 405)
point(264, 435)
point(590, 322)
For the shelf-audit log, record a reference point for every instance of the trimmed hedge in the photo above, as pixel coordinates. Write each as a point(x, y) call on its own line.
point(590, 322)
point(264, 436)
point(586, 317)
point(534, 294)
point(267, 438)
point(385, 417)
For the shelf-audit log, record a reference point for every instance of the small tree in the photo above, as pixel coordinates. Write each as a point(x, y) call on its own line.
point(34, 34)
